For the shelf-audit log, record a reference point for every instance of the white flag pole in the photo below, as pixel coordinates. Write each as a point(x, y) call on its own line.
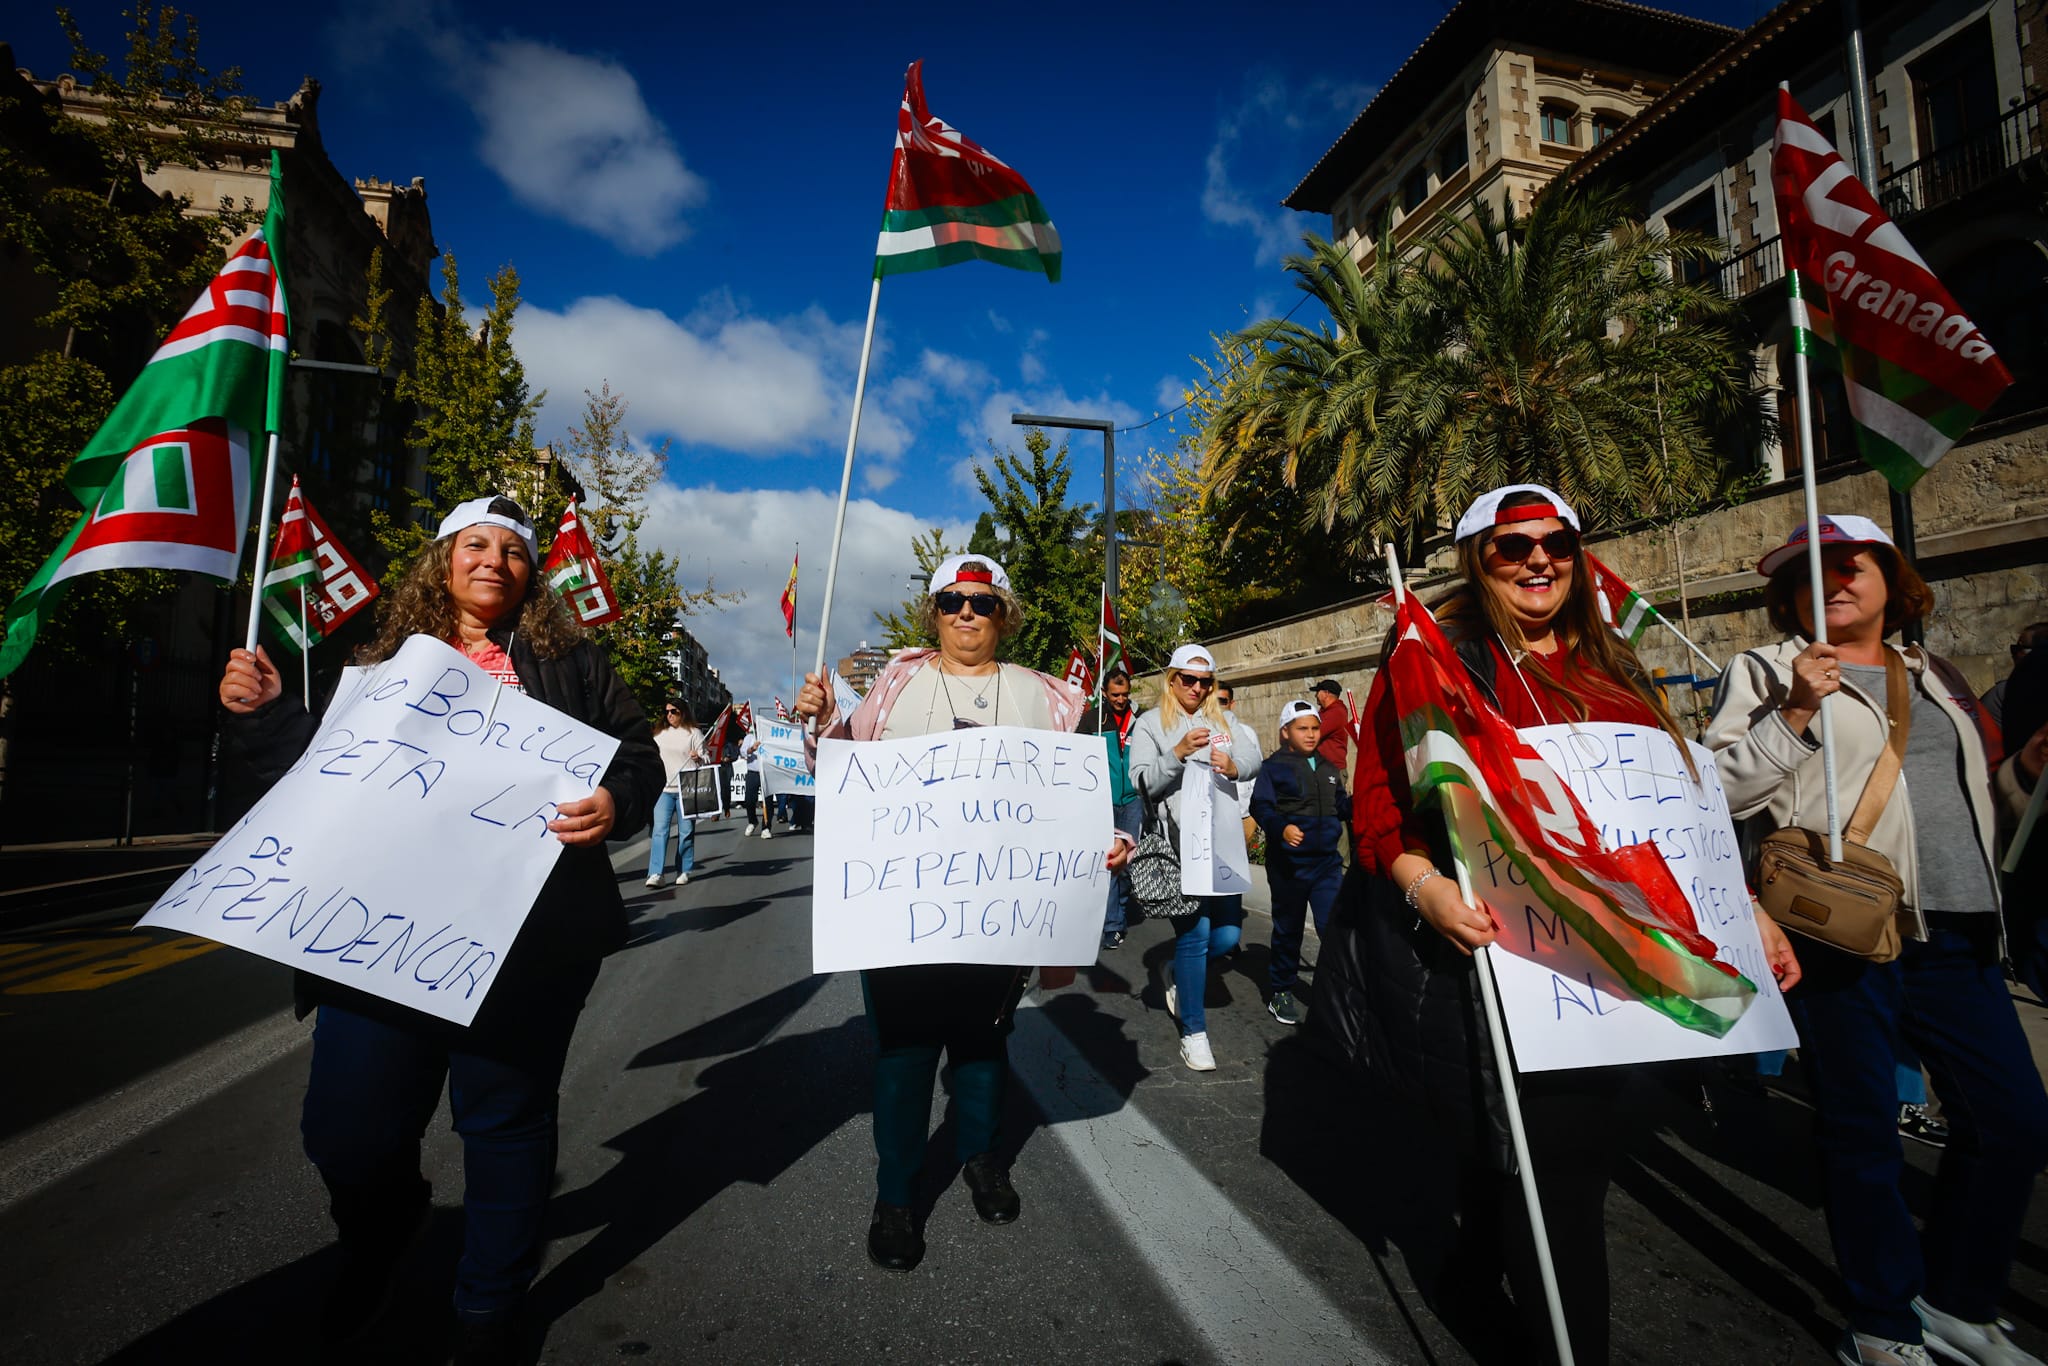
point(305, 653)
point(860, 388)
point(1802, 329)
point(262, 544)
point(1686, 640)
point(1496, 1025)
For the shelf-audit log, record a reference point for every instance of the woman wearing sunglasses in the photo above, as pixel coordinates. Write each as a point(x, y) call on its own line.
point(1526, 625)
point(961, 1009)
point(1190, 726)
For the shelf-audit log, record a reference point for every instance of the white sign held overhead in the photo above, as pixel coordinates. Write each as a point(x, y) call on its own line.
point(980, 845)
point(401, 853)
point(1564, 1006)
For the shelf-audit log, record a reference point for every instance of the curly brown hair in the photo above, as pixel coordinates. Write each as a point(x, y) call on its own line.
point(1907, 596)
point(420, 604)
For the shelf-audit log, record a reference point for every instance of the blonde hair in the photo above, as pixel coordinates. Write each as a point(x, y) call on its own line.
point(1169, 705)
point(419, 604)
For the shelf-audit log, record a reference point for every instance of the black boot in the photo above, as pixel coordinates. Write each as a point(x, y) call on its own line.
point(995, 1199)
point(376, 1227)
point(894, 1244)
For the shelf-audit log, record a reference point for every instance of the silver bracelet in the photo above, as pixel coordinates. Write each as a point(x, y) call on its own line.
point(1413, 896)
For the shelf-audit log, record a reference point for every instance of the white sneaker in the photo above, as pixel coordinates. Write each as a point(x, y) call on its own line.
point(1973, 1344)
point(654, 881)
point(681, 878)
point(767, 834)
point(1194, 1051)
point(750, 828)
point(1172, 994)
point(1861, 1349)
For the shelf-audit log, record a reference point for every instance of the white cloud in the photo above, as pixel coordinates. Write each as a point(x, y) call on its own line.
point(998, 321)
point(745, 537)
point(992, 424)
point(718, 377)
point(572, 136)
point(1172, 392)
point(1277, 123)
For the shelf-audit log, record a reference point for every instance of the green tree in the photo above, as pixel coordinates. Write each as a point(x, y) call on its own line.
point(473, 410)
point(1027, 498)
point(903, 629)
point(1568, 347)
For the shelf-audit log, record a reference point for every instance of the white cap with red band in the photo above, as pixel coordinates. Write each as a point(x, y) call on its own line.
point(1842, 529)
point(1486, 510)
point(1294, 711)
point(951, 571)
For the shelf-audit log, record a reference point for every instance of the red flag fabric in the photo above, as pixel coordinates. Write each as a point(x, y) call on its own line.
point(1112, 637)
point(574, 571)
point(1918, 372)
point(789, 600)
point(1625, 903)
point(1079, 674)
point(308, 557)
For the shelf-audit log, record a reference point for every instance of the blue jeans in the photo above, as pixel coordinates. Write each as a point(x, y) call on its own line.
point(373, 1089)
point(1946, 998)
point(1300, 887)
point(1129, 818)
point(665, 808)
point(1212, 934)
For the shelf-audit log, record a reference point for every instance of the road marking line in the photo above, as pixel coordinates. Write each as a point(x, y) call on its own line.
point(1239, 1290)
point(56, 1148)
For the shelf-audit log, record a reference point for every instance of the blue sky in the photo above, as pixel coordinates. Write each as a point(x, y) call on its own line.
point(691, 196)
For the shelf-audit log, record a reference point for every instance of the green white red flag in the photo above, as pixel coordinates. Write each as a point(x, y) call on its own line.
point(1917, 370)
point(951, 200)
point(1112, 650)
point(574, 571)
point(1625, 903)
point(308, 560)
point(1621, 607)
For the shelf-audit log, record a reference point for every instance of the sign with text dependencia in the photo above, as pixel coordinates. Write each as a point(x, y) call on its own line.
point(784, 769)
point(401, 853)
point(982, 845)
point(1566, 1008)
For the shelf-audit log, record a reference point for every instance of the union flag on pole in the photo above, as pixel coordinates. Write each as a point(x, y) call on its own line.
point(789, 602)
point(1112, 651)
point(1628, 612)
point(574, 571)
point(308, 559)
point(1080, 674)
point(1918, 372)
point(952, 200)
point(1625, 903)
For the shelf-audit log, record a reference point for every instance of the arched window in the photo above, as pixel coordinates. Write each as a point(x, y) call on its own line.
point(1557, 123)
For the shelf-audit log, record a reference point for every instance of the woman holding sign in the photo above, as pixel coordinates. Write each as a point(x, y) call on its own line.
point(1937, 984)
point(1526, 627)
point(1190, 728)
point(961, 1009)
point(378, 1067)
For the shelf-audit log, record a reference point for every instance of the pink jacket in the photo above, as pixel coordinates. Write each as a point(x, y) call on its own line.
point(872, 715)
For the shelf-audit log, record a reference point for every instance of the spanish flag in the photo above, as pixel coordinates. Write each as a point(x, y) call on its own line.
point(789, 600)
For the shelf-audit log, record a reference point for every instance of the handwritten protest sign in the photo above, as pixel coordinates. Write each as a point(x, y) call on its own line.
point(982, 845)
point(1564, 1007)
point(402, 852)
point(783, 767)
point(1213, 857)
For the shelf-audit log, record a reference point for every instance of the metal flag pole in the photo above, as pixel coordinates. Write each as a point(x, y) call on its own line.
point(262, 543)
point(305, 654)
point(860, 388)
point(1496, 1026)
point(1801, 330)
point(796, 559)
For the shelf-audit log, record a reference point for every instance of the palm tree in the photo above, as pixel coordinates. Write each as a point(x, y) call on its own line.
point(1567, 347)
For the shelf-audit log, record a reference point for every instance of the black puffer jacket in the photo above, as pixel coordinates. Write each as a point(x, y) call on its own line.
point(1402, 1004)
point(579, 916)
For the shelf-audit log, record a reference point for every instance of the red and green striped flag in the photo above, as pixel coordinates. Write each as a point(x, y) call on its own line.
point(1628, 612)
point(574, 571)
point(308, 561)
point(1917, 370)
point(1625, 903)
point(1112, 638)
point(165, 480)
point(951, 200)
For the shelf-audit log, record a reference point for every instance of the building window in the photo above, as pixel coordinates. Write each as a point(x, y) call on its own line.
point(1696, 215)
point(1955, 94)
point(1604, 125)
point(1453, 156)
point(1557, 124)
point(1414, 189)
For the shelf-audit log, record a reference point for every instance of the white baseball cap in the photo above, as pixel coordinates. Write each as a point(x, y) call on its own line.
point(1486, 510)
point(495, 510)
point(1195, 657)
point(1294, 711)
point(1842, 529)
point(949, 571)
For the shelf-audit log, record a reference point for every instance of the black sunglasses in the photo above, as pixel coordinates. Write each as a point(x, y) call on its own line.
point(1194, 681)
point(1517, 546)
point(984, 604)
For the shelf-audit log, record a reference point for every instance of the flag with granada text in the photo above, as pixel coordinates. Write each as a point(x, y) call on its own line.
point(1917, 370)
point(573, 570)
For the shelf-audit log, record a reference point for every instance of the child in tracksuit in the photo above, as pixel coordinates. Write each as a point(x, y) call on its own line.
point(1300, 802)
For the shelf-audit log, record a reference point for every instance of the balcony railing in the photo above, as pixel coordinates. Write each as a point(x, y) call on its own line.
point(1956, 170)
point(1748, 272)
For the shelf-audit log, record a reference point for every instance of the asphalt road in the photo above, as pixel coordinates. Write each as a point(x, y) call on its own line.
point(716, 1173)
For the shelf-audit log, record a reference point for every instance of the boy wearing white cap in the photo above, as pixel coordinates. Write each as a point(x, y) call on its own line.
point(1300, 802)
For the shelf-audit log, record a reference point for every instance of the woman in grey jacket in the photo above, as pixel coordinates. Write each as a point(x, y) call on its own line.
point(1186, 729)
point(1945, 995)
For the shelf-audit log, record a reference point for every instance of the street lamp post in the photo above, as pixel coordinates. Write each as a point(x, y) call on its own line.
point(1108, 430)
